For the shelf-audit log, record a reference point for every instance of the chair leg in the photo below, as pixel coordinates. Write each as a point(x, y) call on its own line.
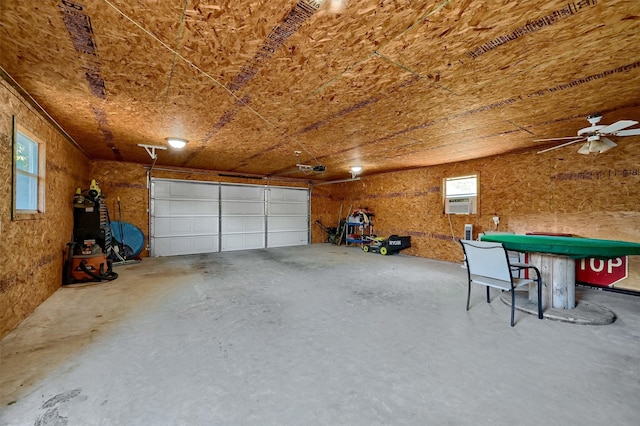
point(468, 296)
point(488, 296)
point(513, 304)
point(539, 297)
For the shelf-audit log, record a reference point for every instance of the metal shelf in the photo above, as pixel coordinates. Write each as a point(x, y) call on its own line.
point(359, 229)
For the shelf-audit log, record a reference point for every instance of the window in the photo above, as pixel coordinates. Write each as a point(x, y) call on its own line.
point(461, 195)
point(29, 167)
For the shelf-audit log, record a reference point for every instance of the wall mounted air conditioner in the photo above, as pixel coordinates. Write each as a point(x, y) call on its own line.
point(458, 205)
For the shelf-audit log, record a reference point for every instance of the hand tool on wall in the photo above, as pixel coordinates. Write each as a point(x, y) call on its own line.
point(344, 228)
point(122, 245)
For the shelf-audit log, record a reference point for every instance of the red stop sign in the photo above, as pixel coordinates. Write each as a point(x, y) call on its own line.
point(600, 272)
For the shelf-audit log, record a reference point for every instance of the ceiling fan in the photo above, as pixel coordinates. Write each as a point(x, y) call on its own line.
point(595, 136)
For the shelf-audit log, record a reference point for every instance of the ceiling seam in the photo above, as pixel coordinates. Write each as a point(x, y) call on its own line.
point(397, 64)
point(175, 58)
point(376, 52)
point(178, 55)
point(169, 48)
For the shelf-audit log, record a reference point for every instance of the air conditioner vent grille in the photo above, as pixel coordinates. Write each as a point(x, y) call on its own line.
point(460, 205)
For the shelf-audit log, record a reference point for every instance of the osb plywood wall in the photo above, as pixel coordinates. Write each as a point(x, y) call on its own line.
point(594, 196)
point(32, 251)
point(124, 188)
point(127, 183)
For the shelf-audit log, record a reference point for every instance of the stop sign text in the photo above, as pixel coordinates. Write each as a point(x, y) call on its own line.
point(601, 272)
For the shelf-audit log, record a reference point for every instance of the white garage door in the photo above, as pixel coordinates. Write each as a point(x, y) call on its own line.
point(287, 217)
point(201, 217)
point(243, 217)
point(184, 217)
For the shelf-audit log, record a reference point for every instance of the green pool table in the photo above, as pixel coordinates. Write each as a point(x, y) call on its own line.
point(555, 258)
point(573, 247)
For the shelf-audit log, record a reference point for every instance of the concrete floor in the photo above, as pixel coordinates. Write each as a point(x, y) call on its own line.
point(313, 335)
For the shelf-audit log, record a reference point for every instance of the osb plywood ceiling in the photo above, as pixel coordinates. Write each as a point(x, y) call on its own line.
point(387, 84)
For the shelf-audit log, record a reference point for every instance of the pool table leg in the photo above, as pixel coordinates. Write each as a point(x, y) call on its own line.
point(558, 280)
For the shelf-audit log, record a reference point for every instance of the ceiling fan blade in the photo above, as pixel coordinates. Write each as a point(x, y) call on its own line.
point(629, 132)
point(590, 130)
point(561, 145)
point(555, 139)
point(618, 125)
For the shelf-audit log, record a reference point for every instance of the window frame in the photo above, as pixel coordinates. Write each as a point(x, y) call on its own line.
point(473, 197)
point(28, 214)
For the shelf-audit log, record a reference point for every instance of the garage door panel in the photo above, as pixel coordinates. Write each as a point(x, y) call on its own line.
point(205, 244)
point(242, 208)
point(287, 194)
point(286, 239)
point(206, 225)
point(243, 217)
point(186, 245)
point(167, 226)
point(184, 217)
point(287, 231)
point(276, 223)
point(244, 193)
point(176, 189)
point(172, 246)
point(287, 217)
point(233, 242)
point(231, 224)
point(287, 223)
point(205, 207)
point(185, 207)
point(288, 208)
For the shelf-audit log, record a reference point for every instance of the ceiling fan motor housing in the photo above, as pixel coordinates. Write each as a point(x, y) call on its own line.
point(594, 118)
point(590, 130)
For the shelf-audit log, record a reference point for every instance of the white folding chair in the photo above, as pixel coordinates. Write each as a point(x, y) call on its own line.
point(488, 265)
point(516, 259)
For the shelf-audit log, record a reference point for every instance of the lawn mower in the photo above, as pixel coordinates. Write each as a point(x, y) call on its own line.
point(385, 246)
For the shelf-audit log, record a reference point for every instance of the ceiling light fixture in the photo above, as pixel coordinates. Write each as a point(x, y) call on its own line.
point(596, 144)
point(355, 170)
point(337, 6)
point(177, 143)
